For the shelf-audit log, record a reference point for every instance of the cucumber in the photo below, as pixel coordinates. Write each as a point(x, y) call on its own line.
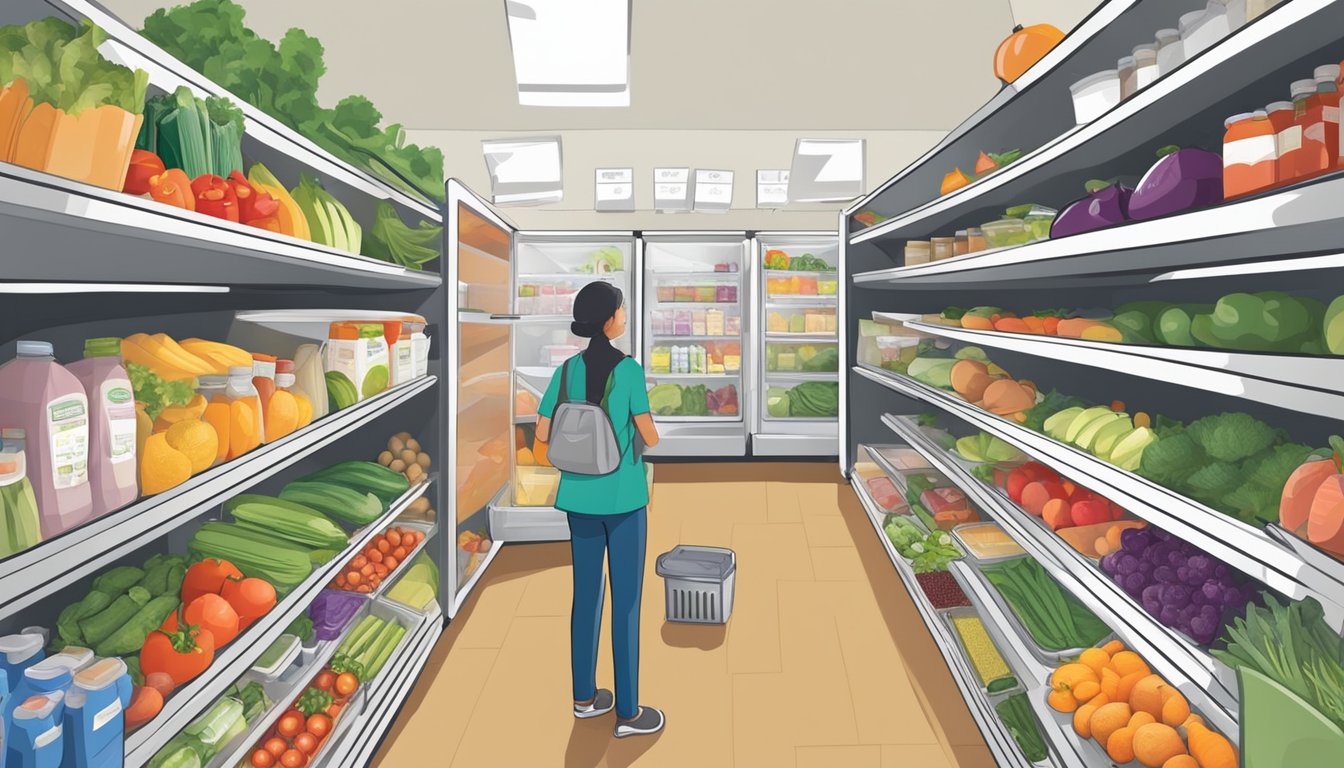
point(1001, 684)
point(365, 477)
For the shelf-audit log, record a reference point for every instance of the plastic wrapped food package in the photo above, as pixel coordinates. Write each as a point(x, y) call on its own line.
point(984, 656)
point(986, 541)
point(905, 459)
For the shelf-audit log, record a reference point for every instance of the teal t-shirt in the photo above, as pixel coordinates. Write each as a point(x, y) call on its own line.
point(626, 489)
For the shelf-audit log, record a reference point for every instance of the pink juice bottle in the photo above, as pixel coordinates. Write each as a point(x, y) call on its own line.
point(112, 466)
point(45, 400)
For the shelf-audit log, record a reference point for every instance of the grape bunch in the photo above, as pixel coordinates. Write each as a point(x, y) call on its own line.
point(1177, 583)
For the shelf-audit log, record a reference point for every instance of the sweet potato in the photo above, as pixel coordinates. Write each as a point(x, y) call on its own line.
point(1006, 396)
point(1074, 327)
point(976, 323)
point(970, 378)
point(1057, 514)
point(1012, 325)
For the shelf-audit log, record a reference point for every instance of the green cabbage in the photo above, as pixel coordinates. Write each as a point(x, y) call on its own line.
point(665, 400)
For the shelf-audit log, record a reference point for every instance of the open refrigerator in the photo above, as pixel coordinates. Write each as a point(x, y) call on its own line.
point(796, 387)
point(696, 326)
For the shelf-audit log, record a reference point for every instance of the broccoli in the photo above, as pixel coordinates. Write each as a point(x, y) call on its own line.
point(1171, 460)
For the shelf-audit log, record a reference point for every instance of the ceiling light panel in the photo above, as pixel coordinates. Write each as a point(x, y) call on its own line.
point(826, 170)
point(571, 53)
point(526, 171)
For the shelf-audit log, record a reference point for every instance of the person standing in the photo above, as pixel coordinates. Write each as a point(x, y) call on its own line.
point(607, 513)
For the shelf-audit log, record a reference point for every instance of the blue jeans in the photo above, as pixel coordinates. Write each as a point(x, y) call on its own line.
point(622, 539)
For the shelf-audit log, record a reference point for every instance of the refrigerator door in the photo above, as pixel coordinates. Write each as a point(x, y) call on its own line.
point(480, 248)
point(797, 344)
point(696, 321)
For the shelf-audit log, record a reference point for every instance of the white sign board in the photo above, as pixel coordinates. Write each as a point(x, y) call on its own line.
point(826, 170)
point(772, 189)
point(713, 191)
point(524, 171)
point(614, 190)
point(671, 190)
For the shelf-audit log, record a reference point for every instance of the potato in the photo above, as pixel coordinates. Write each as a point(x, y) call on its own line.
point(419, 505)
point(423, 460)
point(413, 445)
point(403, 436)
point(414, 472)
point(397, 465)
point(407, 456)
point(395, 445)
point(385, 458)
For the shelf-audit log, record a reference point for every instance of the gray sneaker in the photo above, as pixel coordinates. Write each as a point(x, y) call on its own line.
point(649, 720)
point(603, 702)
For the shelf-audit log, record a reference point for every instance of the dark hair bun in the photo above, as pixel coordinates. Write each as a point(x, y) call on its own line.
point(584, 330)
point(594, 305)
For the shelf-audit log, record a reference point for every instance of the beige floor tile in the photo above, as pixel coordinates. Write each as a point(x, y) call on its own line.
point(886, 708)
point(848, 756)
point(765, 554)
point(548, 593)
point(782, 503)
point(837, 564)
point(973, 756)
point(914, 756)
point(822, 499)
point(443, 710)
point(828, 531)
point(761, 736)
point(491, 618)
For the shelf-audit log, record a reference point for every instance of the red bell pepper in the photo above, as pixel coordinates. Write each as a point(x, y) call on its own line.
point(172, 187)
point(214, 197)
point(144, 166)
point(256, 208)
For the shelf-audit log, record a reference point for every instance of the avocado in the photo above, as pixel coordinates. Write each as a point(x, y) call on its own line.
point(1110, 436)
point(1090, 432)
point(1077, 426)
point(1129, 451)
point(1058, 424)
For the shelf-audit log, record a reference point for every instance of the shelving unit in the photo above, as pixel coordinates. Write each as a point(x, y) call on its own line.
point(1284, 239)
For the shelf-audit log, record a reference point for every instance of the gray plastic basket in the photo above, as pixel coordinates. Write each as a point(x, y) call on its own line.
point(699, 583)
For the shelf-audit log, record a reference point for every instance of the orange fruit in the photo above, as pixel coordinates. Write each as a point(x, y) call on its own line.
point(162, 466)
point(196, 440)
point(281, 415)
point(1156, 743)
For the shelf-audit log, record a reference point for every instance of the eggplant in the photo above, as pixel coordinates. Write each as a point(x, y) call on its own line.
point(1180, 180)
point(1106, 204)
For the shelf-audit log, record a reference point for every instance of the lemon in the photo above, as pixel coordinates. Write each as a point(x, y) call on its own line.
point(162, 466)
point(196, 440)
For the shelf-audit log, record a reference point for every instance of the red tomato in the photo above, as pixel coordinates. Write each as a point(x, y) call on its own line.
point(293, 759)
point(290, 725)
point(306, 743)
point(276, 746)
point(262, 759)
point(325, 680)
point(319, 725)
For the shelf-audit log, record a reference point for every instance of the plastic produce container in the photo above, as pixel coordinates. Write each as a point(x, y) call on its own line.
point(986, 543)
point(699, 583)
point(1094, 96)
point(987, 663)
point(1006, 233)
point(278, 657)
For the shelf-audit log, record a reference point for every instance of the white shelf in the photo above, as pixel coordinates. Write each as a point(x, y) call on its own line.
point(1201, 678)
point(1264, 378)
point(997, 737)
point(801, 375)
point(661, 337)
point(129, 47)
point(802, 338)
point(1271, 41)
point(697, 275)
point(799, 299)
point(190, 700)
point(37, 573)
point(1243, 547)
point(692, 376)
point(58, 223)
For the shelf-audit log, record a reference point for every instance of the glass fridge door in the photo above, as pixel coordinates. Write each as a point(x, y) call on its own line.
point(694, 297)
point(553, 267)
point(800, 360)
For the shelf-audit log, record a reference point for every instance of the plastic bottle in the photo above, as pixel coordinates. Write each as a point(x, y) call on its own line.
point(113, 481)
point(263, 380)
point(282, 413)
point(246, 425)
point(1281, 118)
point(1327, 90)
point(48, 403)
point(20, 525)
point(213, 388)
point(36, 739)
point(17, 654)
point(1306, 151)
point(94, 719)
point(1249, 154)
point(1170, 51)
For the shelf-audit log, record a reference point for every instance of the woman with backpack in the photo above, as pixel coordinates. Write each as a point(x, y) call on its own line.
point(594, 416)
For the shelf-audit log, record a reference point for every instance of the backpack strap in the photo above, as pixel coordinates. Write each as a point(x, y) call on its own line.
point(564, 383)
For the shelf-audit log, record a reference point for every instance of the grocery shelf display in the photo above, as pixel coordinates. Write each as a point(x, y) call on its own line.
point(796, 387)
point(1139, 393)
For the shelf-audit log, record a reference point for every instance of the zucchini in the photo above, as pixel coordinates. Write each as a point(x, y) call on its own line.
point(336, 501)
point(118, 580)
point(290, 521)
point(365, 477)
point(130, 637)
point(256, 554)
point(99, 626)
point(1005, 683)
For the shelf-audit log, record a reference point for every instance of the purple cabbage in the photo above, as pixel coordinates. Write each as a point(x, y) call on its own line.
point(1180, 180)
point(1106, 205)
point(332, 610)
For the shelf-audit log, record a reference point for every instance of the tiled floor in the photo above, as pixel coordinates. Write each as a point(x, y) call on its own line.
point(825, 661)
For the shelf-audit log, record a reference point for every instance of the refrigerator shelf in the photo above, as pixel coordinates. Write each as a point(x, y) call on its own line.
point(675, 337)
point(589, 276)
point(697, 304)
point(828, 273)
point(693, 275)
point(800, 337)
point(676, 376)
point(777, 300)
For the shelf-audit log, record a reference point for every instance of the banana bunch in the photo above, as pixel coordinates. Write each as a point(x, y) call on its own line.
point(173, 361)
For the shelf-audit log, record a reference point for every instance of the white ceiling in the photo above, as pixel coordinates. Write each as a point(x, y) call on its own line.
point(744, 76)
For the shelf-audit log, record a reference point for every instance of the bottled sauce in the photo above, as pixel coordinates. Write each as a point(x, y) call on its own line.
point(1129, 74)
point(112, 470)
point(960, 243)
point(263, 377)
point(1280, 116)
point(1145, 66)
point(245, 413)
point(20, 525)
point(281, 413)
point(1327, 90)
point(1307, 154)
point(212, 387)
point(48, 403)
point(1249, 154)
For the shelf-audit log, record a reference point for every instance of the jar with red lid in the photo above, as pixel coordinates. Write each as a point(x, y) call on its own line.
point(1327, 90)
point(1249, 154)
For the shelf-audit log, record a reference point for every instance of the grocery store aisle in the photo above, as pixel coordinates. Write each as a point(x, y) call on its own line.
point(824, 662)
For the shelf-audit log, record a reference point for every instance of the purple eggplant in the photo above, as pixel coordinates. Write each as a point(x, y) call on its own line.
point(1106, 204)
point(1180, 180)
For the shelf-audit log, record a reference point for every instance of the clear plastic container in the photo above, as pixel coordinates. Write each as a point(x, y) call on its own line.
point(943, 248)
point(1095, 95)
point(889, 352)
point(975, 240)
point(1006, 232)
point(986, 542)
point(812, 320)
point(807, 357)
point(961, 243)
point(1145, 66)
point(246, 424)
point(1038, 220)
point(1170, 51)
point(278, 657)
point(22, 525)
point(918, 252)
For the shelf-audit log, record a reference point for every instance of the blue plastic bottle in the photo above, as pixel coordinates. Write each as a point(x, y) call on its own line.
point(4, 723)
point(51, 675)
point(94, 720)
point(36, 741)
point(17, 653)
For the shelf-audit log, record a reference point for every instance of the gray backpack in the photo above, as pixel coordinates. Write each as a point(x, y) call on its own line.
point(583, 440)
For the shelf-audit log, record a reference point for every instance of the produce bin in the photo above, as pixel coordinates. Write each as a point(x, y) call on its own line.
point(699, 583)
point(950, 616)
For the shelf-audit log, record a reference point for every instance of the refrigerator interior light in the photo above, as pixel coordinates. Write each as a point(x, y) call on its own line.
point(525, 171)
point(57, 288)
point(826, 170)
point(571, 53)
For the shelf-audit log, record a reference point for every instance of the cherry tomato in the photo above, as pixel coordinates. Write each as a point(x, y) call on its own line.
point(276, 746)
point(262, 759)
point(306, 743)
point(290, 725)
point(293, 759)
point(325, 679)
point(319, 725)
point(346, 684)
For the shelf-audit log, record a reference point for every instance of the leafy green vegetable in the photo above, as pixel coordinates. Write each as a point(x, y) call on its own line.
point(665, 399)
point(211, 37)
point(1015, 712)
point(693, 401)
point(62, 66)
point(391, 240)
point(1271, 321)
point(1054, 402)
point(156, 393)
point(200, 136)
point(927, 553)
point(301, 627)
point(1053, 618)
point(1232, 437)
point(954, 313)
point(314, 700)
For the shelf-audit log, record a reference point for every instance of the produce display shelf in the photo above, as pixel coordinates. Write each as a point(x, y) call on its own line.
point(143, 241)
point(693, 275)
point(690, 376)
point(1243, 547)
point(190, 700)
point(524, 277)
point(286, 689)
point(127, 46)
point(657, 337)
point(799, 299)
point(1265, 45)
point(801, 337)
point(39, 572)
point(430, 530)
point(1300, 221)
point(829, 274)
point(1277, 380)
point(696, 304)
point(1043, 74)
point(365, 735)
point(464, 590)
point(997, 738)
point(1202, 679)
point(802, 375)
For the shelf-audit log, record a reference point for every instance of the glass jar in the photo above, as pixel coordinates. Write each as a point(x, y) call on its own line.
point(1145, 66)
point(246, 426)
point(918, 252)
point(1280, 115)
point(942, 248)
point(1327, 89)
point(1249, 154)
point(1170, 51)
point(960, 243)
point(975, 240)
point(1128, 69)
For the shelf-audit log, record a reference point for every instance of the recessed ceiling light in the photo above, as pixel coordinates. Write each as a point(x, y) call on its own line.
point(571, 53)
